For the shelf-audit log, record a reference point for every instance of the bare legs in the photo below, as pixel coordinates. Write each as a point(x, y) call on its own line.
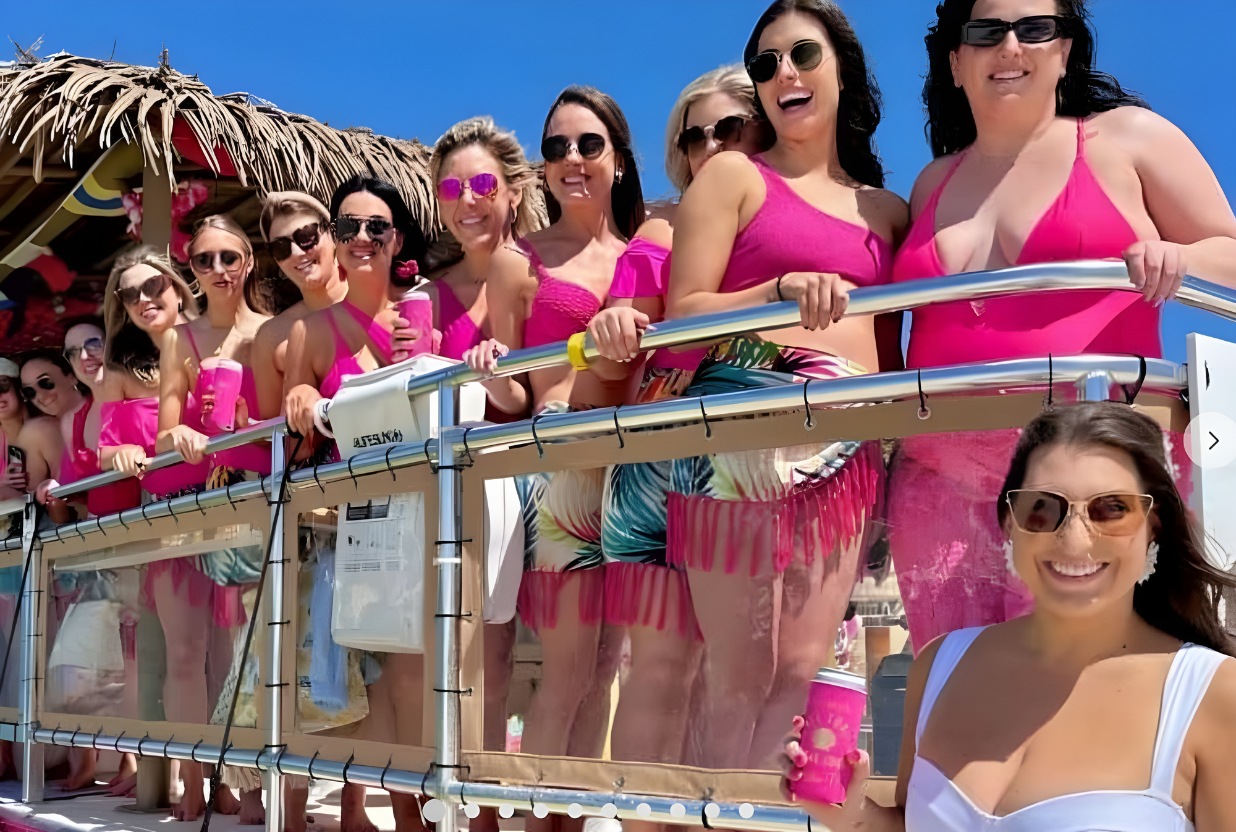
point(499, 647)
point(766, 636)
point(187, 630)
point(570, 652)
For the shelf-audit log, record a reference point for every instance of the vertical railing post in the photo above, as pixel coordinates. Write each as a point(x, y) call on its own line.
point(28, 630)
point(449, 562)
point(275, 631)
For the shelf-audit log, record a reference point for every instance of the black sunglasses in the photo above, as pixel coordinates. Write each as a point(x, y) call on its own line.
point(347, 228)
point(151, 288)
point(7, 385)
point(204, 261)
point(306, 238)
point(44, 382)
point(806, 55)
point(557, 148)
point(94, 346)
point(1039, 28)
point(726, 130)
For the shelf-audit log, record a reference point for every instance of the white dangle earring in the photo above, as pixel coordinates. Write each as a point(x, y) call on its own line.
point(1152, 558)
point(1008, 557)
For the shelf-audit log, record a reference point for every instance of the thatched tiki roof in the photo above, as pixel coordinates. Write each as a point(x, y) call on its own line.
point(76, 133)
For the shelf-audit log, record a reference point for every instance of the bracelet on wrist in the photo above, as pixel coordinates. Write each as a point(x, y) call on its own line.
point(780, 296)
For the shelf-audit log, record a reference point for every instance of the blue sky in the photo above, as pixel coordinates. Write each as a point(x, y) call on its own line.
point(412, 69)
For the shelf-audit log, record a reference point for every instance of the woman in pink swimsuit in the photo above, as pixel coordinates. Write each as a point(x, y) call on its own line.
point(483, 182)
point(373, 230)
point(221, 258)
point(643, 593)
point(1040, 159)
point(595, 203)
point(771, 540)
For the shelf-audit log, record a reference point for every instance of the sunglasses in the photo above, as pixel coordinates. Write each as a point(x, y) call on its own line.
point(482, 185)
point(806, 55)
point(1045, 512)
point(726, 130)
point(149, 288)
point(44, 383)
point(348, 228)
point(1039, 28)
point(557, 148)
point(306, 238)
point(204, 261)
point(7, 385)
point(94, 346)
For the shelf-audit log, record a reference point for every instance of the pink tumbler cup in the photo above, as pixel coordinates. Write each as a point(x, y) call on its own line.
point(834, 715)
point(218, 387)
point(417, 309)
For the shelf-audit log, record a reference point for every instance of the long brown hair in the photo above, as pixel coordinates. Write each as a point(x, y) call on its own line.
point(1182, 597)
point(127, 348)
point(626, 197)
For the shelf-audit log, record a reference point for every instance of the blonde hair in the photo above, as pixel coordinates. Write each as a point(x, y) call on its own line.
point(504, 147)
point(731, 80)
point(128, 348)
point(222, 222)
point(279, 204)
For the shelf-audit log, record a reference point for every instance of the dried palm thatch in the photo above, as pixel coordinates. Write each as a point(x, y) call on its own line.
point(67, 104)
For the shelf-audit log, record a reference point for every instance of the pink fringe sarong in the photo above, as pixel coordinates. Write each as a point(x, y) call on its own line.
point(540, 591)
point(648, 595)
point(816, 518)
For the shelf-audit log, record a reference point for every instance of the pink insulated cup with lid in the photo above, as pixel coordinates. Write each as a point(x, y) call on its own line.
point(416, 308)
point(834, 714)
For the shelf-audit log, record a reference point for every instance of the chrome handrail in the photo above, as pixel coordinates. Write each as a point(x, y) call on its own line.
point(252, 433)
point(1017, 375)
point(871, 300)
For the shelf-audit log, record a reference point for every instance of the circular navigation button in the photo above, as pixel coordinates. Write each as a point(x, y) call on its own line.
point(1210, 440)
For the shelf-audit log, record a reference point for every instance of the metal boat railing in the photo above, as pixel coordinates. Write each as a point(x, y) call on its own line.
point(1090, 377)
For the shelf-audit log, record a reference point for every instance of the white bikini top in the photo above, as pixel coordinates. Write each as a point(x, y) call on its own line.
point(935, 804)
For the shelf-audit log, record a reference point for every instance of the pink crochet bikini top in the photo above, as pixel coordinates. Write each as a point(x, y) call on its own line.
point(559, 309)
point(1081, 224)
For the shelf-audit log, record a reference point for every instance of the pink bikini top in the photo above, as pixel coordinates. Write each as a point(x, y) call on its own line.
point(1082, 224)
point(459, 332)
point(136, 422)
point(788, 234)
point(559, 309)
point(345, 363)
point(81, 461)
point(643, 272)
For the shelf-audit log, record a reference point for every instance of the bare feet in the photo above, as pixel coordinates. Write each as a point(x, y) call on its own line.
point(122, 787)
point(193, 801)
point(226, 802)
point(81, 768)
point(128, 769)
point(252, 812)
point(295, 802)
point(352, 815)
point(407, 813)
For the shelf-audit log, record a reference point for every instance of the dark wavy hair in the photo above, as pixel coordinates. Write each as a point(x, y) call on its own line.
point(1182, 597)
point(858, 107)
point(626, 197)
point(415, 245)
point(1083, 91)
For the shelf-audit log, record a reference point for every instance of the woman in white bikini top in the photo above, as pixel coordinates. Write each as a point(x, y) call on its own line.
point(1111, 706)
